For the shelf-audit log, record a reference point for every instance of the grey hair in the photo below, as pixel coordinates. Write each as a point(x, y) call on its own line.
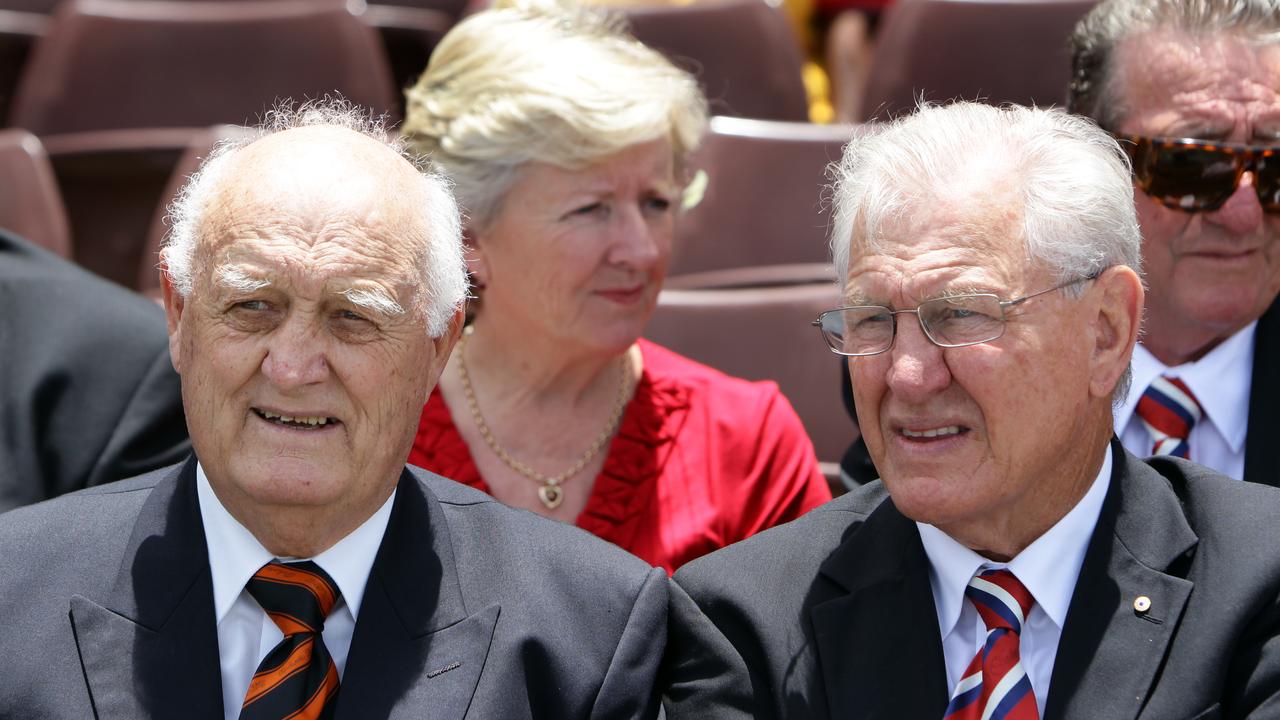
point(443, 273)
point(544, 81)
point(1096, 37)
point(1073, 180)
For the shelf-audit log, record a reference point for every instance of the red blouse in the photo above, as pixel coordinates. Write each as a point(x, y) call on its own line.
point(700, 460)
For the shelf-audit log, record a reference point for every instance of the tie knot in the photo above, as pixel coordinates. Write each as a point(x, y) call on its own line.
point(1169, 410)
point(1001, 600)
point(297, 596)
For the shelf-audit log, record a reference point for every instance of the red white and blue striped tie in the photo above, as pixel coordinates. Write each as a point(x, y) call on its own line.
point(1169, 411)
point(995, 686)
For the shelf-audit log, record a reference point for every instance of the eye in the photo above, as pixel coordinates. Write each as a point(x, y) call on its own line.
point(595, 208)
point(251, 305)
point(352, 316)
point(658, 203)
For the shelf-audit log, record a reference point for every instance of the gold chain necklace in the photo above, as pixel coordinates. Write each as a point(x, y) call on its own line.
point(550, 492)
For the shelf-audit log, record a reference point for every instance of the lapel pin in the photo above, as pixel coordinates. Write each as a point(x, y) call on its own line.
point(440, 671)
point(1142, 603)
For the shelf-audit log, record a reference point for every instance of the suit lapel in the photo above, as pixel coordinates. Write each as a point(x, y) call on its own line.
point(150, 647)
point(1261, 461)
point(877, 638)
point(1110, 652)
point(416, 652)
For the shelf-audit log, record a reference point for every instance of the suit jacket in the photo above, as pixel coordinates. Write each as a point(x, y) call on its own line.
point(834, 616)
point(472, 610)
point(1261, 461)
point(87, 393)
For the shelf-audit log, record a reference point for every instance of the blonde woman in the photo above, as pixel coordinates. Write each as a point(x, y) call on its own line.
point(567, 140)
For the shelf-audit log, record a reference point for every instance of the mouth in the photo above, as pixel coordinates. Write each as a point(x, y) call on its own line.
point(932, 434)
point(623, 296)
point(300, 421)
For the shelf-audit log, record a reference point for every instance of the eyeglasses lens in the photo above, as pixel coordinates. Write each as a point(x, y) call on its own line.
point(1189, 178)
point(858, 331)
point(963, 320)
point(1268, 181)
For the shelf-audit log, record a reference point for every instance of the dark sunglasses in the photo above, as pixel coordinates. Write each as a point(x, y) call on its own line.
point(1199, 176)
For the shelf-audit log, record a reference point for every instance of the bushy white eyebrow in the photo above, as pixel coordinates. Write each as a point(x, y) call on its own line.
point(373, 300)
point(236, 280)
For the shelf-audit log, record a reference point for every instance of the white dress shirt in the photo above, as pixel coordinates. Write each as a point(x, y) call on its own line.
point(1221, 381)
point(245, 633)
point(1048, 568)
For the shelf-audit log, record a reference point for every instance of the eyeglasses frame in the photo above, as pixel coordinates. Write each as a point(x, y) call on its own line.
point(893, 314)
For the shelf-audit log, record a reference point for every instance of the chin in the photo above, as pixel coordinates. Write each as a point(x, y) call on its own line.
point(291, 481)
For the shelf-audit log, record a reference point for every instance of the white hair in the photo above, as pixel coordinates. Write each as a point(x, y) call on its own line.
point(544, 81)
point(1096, 37)
point(1072, 178)
point(442, 282)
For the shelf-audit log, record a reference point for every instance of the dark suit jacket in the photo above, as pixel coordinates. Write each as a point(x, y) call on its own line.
point(87, 394)
point(834, 615)
point(472, 610)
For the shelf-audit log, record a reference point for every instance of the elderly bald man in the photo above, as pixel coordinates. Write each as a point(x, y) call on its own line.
point(294, 564)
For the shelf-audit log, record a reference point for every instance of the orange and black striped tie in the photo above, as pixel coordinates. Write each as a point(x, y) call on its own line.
point(297, 679)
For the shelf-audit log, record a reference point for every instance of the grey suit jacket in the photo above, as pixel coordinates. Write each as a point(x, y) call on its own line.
point(834, 616)
point(472, 610)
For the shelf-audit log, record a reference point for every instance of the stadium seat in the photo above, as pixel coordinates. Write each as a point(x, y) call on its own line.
point(108, 64)
point(743, 52)
point(19, 30)
point(30, 205)
point(409, 35)
point(764, 334)
point(762, 205)
point(996, 51)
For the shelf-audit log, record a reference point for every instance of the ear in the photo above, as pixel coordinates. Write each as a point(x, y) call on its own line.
point(443, 346)
point(477, 265)
point(1120, 301)
point(174, 305)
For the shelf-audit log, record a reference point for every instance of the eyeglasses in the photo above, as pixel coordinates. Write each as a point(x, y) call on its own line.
point(1199, 176)
point(948, 322)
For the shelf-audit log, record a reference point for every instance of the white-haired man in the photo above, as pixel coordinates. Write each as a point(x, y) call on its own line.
point(1192, 87)
point(294, 566)
point(1013, 562)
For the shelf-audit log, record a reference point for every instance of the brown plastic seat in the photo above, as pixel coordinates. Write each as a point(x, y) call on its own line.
point(19, 31)
point(742, 51)
point(196, 150)
point(764, 334)
point(29, 201)
point(108, 64)
point(762, 205)
point(409, 35)
point(994, 51)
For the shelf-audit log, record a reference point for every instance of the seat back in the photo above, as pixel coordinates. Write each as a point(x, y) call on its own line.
point(763, 200)
point(30, 204)
point(107, 64)
point(995, 51)
point(742, 51)
point(764, 334)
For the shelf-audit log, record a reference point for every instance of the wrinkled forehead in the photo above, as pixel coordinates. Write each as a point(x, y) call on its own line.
point(317, 203)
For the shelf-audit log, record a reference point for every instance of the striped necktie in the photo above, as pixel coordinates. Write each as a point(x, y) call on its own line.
point(297, 679)
point(994, 686)
point(1168, 410)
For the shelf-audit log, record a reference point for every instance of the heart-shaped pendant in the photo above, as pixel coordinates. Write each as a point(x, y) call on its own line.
point(550, 495)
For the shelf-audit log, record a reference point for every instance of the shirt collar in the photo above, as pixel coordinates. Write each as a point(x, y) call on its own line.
point(1048, 567)
point(1221, 382)
point(235, 554)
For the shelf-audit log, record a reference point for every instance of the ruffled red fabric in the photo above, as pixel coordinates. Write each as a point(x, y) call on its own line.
point(636, 500)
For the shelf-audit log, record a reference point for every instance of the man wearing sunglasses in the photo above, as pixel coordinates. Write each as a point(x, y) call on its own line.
point(1192, 90)
point(1014, 561)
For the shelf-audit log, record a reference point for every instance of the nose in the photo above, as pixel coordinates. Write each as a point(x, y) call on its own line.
point(917, 368)
point(1241, 214)
point(638, 241)
point(295, 356)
